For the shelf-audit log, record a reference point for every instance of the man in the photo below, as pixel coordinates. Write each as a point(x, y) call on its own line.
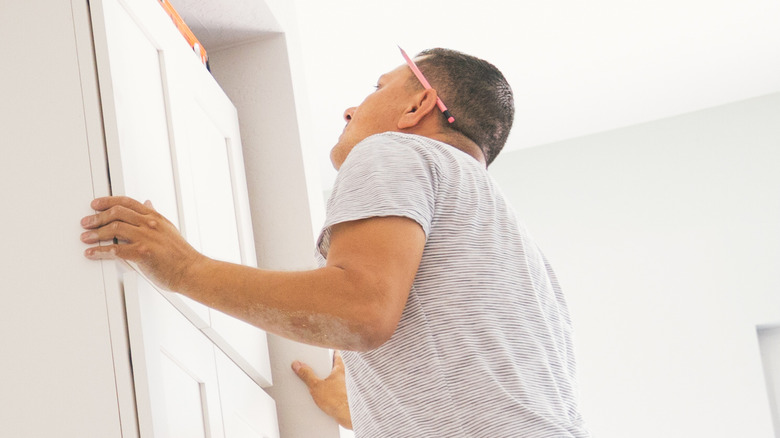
point(450, 320)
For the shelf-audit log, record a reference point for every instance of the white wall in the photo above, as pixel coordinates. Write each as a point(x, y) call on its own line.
point(666, 238)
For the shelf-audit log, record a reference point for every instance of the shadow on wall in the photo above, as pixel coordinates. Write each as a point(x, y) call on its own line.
point(666, 240)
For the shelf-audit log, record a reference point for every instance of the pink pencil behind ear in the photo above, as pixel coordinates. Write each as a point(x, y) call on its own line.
point(426, 85)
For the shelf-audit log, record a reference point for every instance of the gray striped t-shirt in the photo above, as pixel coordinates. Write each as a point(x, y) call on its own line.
point(483, 348)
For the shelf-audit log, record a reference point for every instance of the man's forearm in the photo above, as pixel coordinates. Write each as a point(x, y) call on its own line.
point(321, 307)
point(354, 303)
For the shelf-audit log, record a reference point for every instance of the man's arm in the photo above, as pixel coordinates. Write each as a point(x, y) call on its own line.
point(353, 303)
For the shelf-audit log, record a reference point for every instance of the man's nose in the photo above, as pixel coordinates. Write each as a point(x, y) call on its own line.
point(348, 114)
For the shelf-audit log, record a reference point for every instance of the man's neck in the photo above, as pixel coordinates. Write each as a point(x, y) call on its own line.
point(461, 142)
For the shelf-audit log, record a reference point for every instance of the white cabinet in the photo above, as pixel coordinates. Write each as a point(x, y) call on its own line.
point(103, 96)
point(174, 140)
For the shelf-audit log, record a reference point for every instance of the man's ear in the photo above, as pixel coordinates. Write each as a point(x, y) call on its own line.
point(421, 106)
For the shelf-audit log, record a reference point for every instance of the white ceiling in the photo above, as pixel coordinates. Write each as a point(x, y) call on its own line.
point(577, 67)
point(218, 24)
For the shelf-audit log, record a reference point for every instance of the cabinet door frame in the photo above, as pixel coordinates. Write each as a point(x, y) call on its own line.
point(115, 304)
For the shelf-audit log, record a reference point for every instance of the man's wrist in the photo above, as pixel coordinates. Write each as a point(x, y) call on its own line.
point(190, 273)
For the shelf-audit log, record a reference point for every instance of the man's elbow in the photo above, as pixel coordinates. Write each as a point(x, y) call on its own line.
point(372, 339)
point(375, 329)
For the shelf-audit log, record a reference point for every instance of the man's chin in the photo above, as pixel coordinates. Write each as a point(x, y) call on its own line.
point(341, 150)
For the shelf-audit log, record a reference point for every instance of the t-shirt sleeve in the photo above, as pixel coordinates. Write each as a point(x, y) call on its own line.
point(382, 176)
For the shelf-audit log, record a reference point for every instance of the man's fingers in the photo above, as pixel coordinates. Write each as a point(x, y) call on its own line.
point(305, 373)
point(115, 208)
point(114, 230)
point(113, 214)
point(104, 252)
point(107, 202)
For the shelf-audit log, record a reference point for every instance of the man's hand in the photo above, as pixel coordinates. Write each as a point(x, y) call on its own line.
point(142, 236)
point(330, 394)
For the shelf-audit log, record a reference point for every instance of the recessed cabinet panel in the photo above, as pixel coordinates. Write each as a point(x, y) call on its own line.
point(215, 203)
point(247, 411)
point(176, 384)
point(183, 400)
point(213, 188)
point(138, 89)
point(213, 191)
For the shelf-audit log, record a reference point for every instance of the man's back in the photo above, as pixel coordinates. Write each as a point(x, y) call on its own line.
point(483, 348)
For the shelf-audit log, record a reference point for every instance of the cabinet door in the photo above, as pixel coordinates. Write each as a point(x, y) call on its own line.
point(247, 411)
point(137, 64)
point(215, 203)
point(175, 374)
point(172, 137)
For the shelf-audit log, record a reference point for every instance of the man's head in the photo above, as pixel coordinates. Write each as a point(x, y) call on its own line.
point(476, 93)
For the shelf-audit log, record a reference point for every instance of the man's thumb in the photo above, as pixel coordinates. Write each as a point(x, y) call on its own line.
point(305, 373)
